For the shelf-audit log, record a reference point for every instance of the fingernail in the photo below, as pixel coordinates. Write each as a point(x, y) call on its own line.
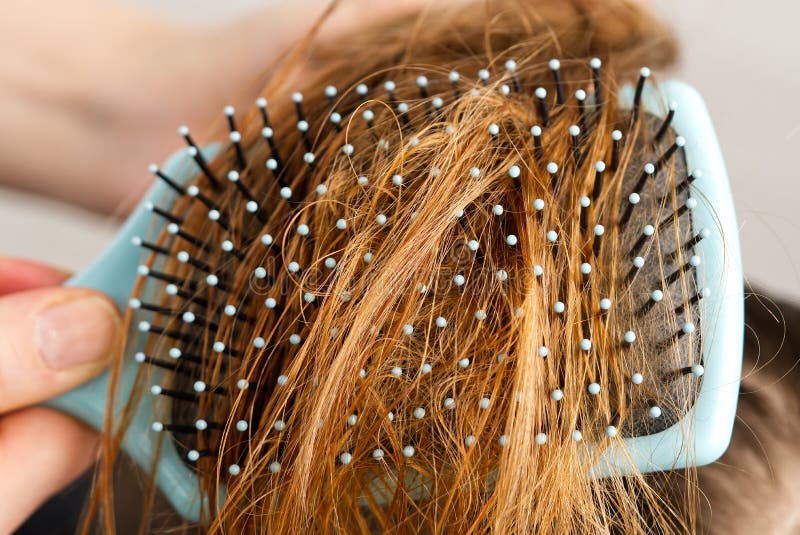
point(76, 332)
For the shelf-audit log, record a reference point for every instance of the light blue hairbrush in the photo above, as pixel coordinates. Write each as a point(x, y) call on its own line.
point(698, 437)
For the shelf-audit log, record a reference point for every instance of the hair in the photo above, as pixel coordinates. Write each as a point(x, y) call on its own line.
point(403, 377)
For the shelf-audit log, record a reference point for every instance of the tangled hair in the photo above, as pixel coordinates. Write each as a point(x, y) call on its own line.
point(403, 375)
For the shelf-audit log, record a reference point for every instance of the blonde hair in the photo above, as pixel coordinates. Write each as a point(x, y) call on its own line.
point(404, 379)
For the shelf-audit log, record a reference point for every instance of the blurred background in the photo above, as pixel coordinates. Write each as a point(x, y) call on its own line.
point(741, 57)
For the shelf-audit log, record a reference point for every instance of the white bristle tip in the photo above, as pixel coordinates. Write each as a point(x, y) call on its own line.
point(629, 337)
point(554, 64)
point(593, 389)
point(540, 439)
point(637, 378)
point(574, 130)
point(655, 411)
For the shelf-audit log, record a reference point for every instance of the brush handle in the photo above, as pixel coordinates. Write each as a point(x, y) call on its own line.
point(114, 273)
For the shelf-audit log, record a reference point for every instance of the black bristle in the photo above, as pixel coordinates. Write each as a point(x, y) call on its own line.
point(177, 188)
point(541, 96)
point(644, 74)
point(666, 124)
point(555, 69)
point(596, 83)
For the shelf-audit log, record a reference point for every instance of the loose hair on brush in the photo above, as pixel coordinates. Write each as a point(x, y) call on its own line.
point(432, 274)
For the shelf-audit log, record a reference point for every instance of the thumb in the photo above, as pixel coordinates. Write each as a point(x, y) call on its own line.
point(52, 340)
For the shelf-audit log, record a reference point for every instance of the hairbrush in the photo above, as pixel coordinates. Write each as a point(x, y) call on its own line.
point(679, 241)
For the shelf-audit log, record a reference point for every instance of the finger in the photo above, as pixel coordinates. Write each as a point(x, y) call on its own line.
point(41, 451)
point(17, 275)
point(52, 340)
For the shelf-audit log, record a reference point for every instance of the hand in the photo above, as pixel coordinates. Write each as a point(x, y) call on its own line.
point(93, 91)
point(51, 340)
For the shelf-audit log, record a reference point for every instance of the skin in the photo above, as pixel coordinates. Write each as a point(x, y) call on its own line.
point(90, 93)
point(88, 105)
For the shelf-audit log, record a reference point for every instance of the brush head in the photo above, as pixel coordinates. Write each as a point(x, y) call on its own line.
point(600, 258)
